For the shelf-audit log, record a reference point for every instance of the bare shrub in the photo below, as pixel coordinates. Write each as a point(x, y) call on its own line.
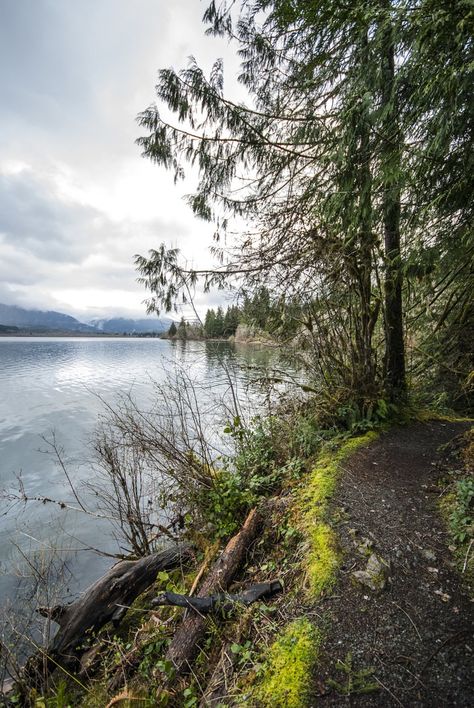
point(151, 467)
point(154, 466)
point(42, 574)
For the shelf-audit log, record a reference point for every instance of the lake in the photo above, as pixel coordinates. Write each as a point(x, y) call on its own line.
point(53, 385)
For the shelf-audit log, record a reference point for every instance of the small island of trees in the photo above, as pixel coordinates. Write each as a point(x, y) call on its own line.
point(258, 311)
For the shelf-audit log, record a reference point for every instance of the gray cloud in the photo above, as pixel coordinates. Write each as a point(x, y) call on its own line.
point(76, 199)
point(55, 251)
point(35, 221)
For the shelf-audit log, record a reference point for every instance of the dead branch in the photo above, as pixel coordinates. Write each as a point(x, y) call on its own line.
point(220, 602)
point(185, 643)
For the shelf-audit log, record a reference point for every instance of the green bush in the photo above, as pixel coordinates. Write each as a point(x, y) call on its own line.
point(462, 516)
point(260, 465)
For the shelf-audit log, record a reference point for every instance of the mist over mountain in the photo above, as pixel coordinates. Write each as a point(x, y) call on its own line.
point(37, 321)
point(120, 325)
point(51, 320)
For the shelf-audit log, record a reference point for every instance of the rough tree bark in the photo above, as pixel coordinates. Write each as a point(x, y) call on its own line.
point(185, 643)
point(220, 602)
point(107, 600)
point(391, 206)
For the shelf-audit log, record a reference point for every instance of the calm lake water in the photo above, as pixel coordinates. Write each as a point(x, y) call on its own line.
point(52, 385)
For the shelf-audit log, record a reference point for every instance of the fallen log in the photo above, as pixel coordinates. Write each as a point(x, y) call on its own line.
point(107, 600)
point(220, 602)
point(185, 643)
point(131, 660)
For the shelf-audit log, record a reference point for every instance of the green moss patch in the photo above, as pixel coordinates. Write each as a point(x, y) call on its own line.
point(425, 415)
point(285, 682)
point(322, 558)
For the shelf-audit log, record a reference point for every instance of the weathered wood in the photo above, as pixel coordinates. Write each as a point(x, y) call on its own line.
point(105, 601)
point(185, 643)
point(220, 602)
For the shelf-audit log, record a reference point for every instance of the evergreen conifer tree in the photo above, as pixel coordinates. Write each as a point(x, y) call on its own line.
point(182, 329)
point(324, 162)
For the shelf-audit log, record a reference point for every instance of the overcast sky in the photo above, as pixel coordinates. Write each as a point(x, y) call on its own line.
point(76, 199)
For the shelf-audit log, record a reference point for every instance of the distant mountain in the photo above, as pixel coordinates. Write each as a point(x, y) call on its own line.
point(13, 316)
point(121, 325)
point(38, 321)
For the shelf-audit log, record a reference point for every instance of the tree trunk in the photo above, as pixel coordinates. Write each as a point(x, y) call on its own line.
point(391, 167)
point(106, 600)
point(364, 333)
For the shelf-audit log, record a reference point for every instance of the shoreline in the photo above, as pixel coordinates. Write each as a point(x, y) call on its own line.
point(82, 335)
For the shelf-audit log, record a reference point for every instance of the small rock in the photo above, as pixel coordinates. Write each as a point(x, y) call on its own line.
point(443, 595)
point(7, 686)
point(365, 546)
point(429, 555)
point(375, 575)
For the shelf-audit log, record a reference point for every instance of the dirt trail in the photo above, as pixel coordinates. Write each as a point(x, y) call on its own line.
point(417, 633)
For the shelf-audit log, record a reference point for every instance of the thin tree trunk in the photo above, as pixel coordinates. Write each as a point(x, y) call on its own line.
point(357, 226)
point(366, 239)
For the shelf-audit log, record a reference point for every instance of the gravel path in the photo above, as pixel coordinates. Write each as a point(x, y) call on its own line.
point(413, 640)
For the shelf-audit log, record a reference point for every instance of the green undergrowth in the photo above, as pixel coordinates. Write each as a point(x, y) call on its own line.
point(457, 507)
point(297, 462)
point(424, 415)
point(293, 655)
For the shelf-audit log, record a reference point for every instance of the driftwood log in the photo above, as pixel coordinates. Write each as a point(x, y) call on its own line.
point(185, 643)
point(107, 600)
point(221, 603)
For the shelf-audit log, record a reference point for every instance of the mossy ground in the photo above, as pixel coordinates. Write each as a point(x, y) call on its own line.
point(389, 494)
point(291, 660)
point(299, 545)
point(294, 653)
point(457, 505)
point(323, 557)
